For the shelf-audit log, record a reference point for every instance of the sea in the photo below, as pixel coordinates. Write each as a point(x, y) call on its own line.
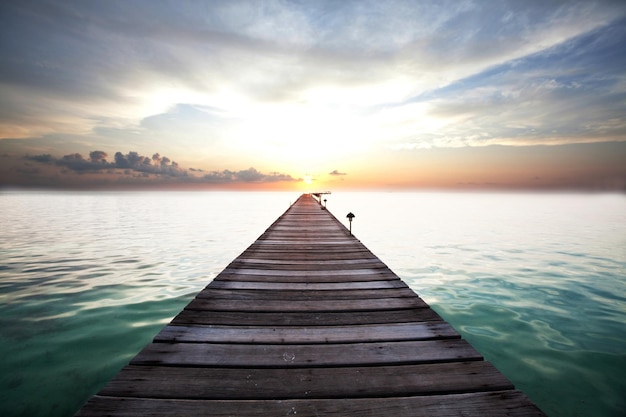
point(536, 282)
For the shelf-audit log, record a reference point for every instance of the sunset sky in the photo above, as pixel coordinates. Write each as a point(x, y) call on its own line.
point(318, 94)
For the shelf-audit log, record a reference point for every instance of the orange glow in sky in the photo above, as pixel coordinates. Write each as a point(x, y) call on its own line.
point(327, 95)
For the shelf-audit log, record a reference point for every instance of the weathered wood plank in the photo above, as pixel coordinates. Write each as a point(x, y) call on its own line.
point(287, 305)
point(306, 286)
point(284, 254)
point(187, 317)
point(290, 262)
point(335, 382)
point(313, 277)
point(312, 244)
point(308, 295)
point(303, 356)
point(307, 335)
point(309, 266)
point(308, 273)
point(308, 255)
point(494, 404)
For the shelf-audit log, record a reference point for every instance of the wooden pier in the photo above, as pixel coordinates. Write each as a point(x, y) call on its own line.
point(308, 322)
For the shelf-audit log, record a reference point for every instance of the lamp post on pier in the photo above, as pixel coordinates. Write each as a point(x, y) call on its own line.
point(350, 216)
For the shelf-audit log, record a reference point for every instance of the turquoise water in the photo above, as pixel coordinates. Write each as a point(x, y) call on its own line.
point(536, 282)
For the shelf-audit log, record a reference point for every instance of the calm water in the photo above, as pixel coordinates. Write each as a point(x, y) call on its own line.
point(537, 283)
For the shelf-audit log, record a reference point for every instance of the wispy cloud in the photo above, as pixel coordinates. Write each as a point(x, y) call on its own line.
point(572, 92)
point(233, 83)
point(337, 173)
point(131, 54)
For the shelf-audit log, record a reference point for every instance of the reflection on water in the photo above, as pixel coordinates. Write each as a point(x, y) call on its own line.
point(534, 282)
point(87, 279)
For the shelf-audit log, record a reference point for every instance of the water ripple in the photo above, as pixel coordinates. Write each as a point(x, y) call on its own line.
point(97, 275)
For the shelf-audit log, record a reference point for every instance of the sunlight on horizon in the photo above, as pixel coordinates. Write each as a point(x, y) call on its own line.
point(245, 95)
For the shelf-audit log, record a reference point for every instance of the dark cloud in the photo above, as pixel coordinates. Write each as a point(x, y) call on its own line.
point(132, 166)
point(335, 172)
point(45, 159)
point(76, 162)
point(249, 175)
point(98, 156)
point(131, 162)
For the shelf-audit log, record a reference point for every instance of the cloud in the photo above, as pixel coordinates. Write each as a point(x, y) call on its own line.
point(98, 54)
point(98, 156)
point(573, 92)
point(46, 159)
point(97, 171)
point(249, 175)
point(335, 172)
point(240, 82)
point(131, 161)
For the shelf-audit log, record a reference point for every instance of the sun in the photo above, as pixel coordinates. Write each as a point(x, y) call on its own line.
point(308, 179)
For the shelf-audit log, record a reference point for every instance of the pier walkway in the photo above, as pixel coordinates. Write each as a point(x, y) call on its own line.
point(307, 321)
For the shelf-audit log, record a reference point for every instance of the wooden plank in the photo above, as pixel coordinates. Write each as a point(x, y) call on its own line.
point(307, 255)
point(308, 295)
point(290, 262)
point(335, 382)
point(314, 277)
point(313, 244)
point(287, 305)
point(305, 356)
point(307, 273)
point(187, 317)
point(509, 403)
point(310, 253)
point(306, 286)
point(307, 335)
point(308, 266)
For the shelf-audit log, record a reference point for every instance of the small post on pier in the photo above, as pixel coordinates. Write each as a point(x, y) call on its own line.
point(350, 216)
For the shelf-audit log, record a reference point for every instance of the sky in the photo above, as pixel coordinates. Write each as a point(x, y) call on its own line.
point(318, 95)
